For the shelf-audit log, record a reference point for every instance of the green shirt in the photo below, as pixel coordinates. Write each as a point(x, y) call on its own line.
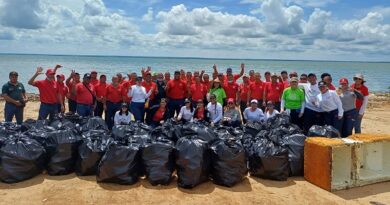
point(219, 93)
point(13, 91)
point(293, 98)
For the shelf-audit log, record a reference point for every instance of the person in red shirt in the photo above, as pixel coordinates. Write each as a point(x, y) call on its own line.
point(273, 91)
point(256, 90)
point(167, 77)
point(243, 94)
point(176, 92)
point(148, 84)
point(158, 114)
point(327, 78)
point(86, 96)
point(62, 89)
point(285, 81)
point(231, 89)
point(72, 80)
point(49, 94)
point(197, 91)
point(201, 113)
point(206, 82)
point(100, 90)
point(94, 80)
point(229, 72)
point(113, 101)
point(361, 103)
point(267, 76)
point(126, 85)
point(121, 79)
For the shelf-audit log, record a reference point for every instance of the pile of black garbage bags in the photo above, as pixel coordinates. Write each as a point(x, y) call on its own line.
point(195, 150)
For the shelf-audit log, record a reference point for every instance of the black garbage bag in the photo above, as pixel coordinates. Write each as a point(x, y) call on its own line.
point(295, 145)
point(279, 120)
point(268, 161)
point(94, 123)
point(202, 131)
point(62, 123)
point(91, 150)
point(253, 128)
point(192, 161)
point(141, 128)
point(120, 164)
point(158, 159)
point(40, 134)
point(62, 150)
point(21, 158)
point(75, 118)
point(323, 131)
point(228, 162)
point(122, 132)
point(10, 127)
point(33, 124)
point(173, 129)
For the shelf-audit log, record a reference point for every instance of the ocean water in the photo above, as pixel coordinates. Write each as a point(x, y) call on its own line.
point(376, 73)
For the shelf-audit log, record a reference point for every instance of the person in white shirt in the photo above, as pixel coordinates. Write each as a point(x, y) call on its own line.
point(139, 96)
point(215, 110)
point(270, 111)
point(330, 103)
point(253, 113)
point(313, 115)
point(123, 116)
point(186, 113)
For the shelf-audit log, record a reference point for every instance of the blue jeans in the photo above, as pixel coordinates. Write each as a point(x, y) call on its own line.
point(348, 122)
point(138, 110)
point(84, 110)
point(295, 119)
point(46, 110)
point(311, 117)
point(11, 110)
point(358, 124)
point(331, 118)
point(174, 106)
point(72, 105)
point(111, 110)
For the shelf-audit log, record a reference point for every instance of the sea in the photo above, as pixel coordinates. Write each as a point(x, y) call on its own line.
point(377, 74)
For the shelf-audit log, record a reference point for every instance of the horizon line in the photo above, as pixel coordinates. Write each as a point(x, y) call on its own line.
point(192, 57)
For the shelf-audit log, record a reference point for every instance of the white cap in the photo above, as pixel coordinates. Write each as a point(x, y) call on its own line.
point(254, 101)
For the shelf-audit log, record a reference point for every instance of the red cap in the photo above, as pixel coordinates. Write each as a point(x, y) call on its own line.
point(50, 72)
point(343, 81)
point(230, 100)
point(61, 75)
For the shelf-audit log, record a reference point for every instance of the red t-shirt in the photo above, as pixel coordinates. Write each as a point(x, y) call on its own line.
point(235, 77)
point(207, 85)
point(148, 87)
point(286, 84)
point(252, 79)
point(125, 90)
point(274, 91)
point(257, 90)
point(100, 89)
point(63, 90)
point(231, 90)
point(331, 87)
point(159, 115)
point(71, 96)
point(48, 91)
point(198, 91)
point(83, 95)
point(364, 91)
point(114, 94)
point(176, 89)
point(243, 89)
point(94, 82)
point(200, 114)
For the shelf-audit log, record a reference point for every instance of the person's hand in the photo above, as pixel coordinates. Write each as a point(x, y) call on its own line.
point(58, 66)
point(242, 65)
point(247, 104)
point(105, 107)
point(202, 71)
point(281, 110)
point(264, 104)
point(360, 116)
point(300, 115)
point(340, 117)
point(148, 69)
point(18, 103)
point(162, 121)
point(62, 108)
point(214, 66)
point(73, 74)
point(39, 71)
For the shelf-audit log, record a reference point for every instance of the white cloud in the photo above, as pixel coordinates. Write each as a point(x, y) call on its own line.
point(148, 17)
point(94, 7)
point(317, 22)
point(24, 14)
point(314, 3)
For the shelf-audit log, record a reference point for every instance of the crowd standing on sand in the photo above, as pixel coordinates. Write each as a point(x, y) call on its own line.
point(155, 97)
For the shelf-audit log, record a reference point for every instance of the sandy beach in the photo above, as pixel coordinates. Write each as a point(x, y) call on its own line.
point(72, 189)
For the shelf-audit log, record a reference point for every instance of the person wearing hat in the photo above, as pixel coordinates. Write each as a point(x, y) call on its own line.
point(49, 94)
point(85, 96)
point(229, 72)
point(330, 103)
point(218, 91)
point(313, 115)
point(112, 101)
point(158, 114)
point(100, 90)
point(273, 91)
point(186, 113)
point(176, 92)
point(253, 113)
point(15, 98)
point(214, 109)
point(71, 81)
point(123, 116)
point(348, 98)
point(94, 80)
point(270, 111)
point(361, 103)
point(293, 102)
point(256, 90)
point(243, 90)
point(231, 116)
point(63, 89)
point(139, 96)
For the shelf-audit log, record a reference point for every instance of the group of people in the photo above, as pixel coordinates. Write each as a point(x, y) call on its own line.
point(155, 97)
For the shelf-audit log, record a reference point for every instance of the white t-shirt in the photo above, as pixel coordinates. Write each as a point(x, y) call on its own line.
point(311, 92)
point(215, 112)
point(138, 94)
point(255, 116)
point(186, 114)
point(269, 115)
point(330, 101)
point(122, 119)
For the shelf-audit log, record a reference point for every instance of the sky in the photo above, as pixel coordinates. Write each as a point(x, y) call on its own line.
point(351, 30)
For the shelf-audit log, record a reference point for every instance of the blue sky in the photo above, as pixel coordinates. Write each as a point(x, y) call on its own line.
point(277, 29)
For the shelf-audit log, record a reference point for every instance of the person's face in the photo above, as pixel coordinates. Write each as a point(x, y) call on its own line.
point(60, 79)
point(246, 80)
point(274, 79)
point(196, 74)
point(167, 76)
point(267, 76)
point(328, 80)
point(323, 89)
point(253, 105)
point(160, 77)
point(87, 80)
point(358, 81)
point(115, 80)
point(134, 77)
point(216, 85)
point(344, 86)
point(293, 84)
point(284, 75)
point(200, 104)
point(212, 99)
point(124, 108)
point(50, 77)
point(13, 78)
point(119, 77)
point(251, 73)
point(197, 79)
point(148, 78)
point(206, 78)
point(77, 78)
point(230, 77)
point(93, 75)
point(257, 76)
point(220, 77)
point(303, 79)
point(188, 105)
point(229, 72)
point(189, 75)
point(103, 79)
point(231, 105)
point(312, 80)
point(177, 76)
point(270, 106)
point(163, 104)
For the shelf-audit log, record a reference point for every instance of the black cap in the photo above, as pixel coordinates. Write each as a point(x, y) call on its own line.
point(321, 84)
point(283, 72)
point(177, 72)
point(187, 100)
point(87, 75)
point(311, 75)
point(324, 75)
point(124, 105)
point(13, 73)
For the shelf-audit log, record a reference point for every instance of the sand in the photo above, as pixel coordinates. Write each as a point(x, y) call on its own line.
point(71, 189)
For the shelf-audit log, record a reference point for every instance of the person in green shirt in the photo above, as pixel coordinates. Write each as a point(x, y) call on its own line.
point(15, 98)
point(218, 91)
point(293, 102)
